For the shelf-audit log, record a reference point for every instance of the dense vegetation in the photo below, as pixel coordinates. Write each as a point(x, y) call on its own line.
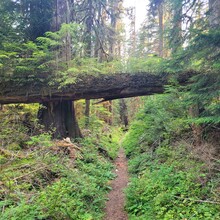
point(171, 177)
point(173, 142)
point(45, 179)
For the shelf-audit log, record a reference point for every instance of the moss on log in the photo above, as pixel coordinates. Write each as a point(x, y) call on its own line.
point(107, 87)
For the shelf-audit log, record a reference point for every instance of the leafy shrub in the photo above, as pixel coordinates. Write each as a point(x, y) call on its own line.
point(43, 139)
point(56, 186)
point(166, 187)
point(163, 117)
point(18, 122)
point(167, 180)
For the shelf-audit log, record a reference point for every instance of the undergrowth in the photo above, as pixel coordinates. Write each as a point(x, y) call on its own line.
point(45, 179)
point(48, 184)
point(169, 177)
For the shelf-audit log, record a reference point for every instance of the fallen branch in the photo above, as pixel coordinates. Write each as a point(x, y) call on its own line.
point(198, 200)
point(19, 177)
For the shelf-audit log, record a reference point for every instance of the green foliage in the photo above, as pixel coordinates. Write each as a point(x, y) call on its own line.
point(38, 60)
point(9, 29)
point(163, 192)
point(167, 179)
point(111, 141)
point(149, 64)
point(163, 117)
point(43, 179)
point(45, 60)
point(167, 185)
point(17, 122)
point(205, 91)
point(56, 186)
point(43, 139)
point(201, 55)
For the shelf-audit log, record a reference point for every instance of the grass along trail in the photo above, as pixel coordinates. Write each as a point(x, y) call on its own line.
point(116, 199)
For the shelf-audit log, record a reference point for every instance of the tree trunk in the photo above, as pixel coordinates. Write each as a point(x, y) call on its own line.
point(176, 37)
point(196, 129)
point(87, 113)
point(111, 112)
point(108, 87)
point(123, 113)
point(214, 16)
point(59, 118)
point(161, 29)
point(89, 24)
point(71, 122)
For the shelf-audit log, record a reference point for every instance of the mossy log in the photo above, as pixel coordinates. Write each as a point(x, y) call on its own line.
point(108, 87)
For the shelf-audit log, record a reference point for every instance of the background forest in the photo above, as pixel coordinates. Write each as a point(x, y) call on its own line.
point(56, 156)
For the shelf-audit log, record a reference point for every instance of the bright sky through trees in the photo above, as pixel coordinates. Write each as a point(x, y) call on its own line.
point(141, 9)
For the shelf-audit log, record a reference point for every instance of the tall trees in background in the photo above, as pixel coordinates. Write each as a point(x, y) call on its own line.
point(184, 34)
point(157, 9)
point(214, 13)
point(37, 16)
point(61, 114)
point(171, 24)
point(191, 32)
point(26, 20)
point(101, 20)
point(8, 30)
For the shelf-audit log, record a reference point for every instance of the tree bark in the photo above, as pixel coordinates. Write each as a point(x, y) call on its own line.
point(123, 113)
point(161, 29)
point(108, 87)
point(176, 37)
point(59, 118)
point(214, 13)
point(196, 129)
point(87, 113)
point(111, 112)
point(75, 126)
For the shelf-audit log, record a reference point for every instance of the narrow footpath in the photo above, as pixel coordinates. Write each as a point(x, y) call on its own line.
point(116, 199)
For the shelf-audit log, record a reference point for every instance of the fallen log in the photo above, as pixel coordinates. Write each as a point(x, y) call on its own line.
point(108, 87)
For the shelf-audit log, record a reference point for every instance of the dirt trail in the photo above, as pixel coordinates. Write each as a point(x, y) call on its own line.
point(115, 205)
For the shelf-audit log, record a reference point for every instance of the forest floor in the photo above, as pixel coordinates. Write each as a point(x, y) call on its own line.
point(116, 199)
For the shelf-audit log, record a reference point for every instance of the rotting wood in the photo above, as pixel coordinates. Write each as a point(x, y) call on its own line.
point(108, 87)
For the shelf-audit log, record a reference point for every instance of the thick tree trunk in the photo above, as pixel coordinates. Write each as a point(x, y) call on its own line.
point(71, 122)
point(108, 87)
point(59, 118)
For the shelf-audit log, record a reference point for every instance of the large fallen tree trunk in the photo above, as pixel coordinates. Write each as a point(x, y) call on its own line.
point(57, 114)
point(107, 87)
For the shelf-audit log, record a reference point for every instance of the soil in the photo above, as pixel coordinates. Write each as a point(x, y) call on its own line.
point(116, 199)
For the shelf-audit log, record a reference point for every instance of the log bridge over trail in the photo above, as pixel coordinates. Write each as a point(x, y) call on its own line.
point(59, 111)
point(108, 87)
